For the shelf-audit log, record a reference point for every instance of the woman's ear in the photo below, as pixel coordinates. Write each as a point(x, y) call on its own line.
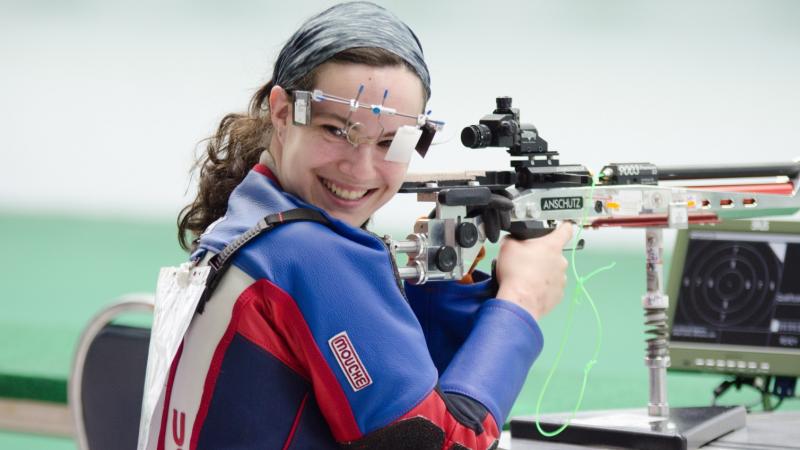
point(279, 109)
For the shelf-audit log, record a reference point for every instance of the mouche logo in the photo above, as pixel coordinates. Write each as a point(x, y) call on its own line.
point(349, 361)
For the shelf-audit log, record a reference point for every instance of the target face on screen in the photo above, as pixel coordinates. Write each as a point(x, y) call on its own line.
point(730, 283)
point(735, 291)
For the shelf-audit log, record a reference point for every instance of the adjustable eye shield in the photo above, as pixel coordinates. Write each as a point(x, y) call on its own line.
point(407, 138)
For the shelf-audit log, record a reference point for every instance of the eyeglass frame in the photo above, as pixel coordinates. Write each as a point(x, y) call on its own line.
point(302, 101)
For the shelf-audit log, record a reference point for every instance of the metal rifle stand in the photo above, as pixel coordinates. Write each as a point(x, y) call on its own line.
point(659, 427)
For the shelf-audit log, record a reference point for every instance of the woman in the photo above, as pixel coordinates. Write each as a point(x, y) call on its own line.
point(308, 340)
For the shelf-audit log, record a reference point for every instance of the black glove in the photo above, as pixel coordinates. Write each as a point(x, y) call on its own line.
point(496, 214)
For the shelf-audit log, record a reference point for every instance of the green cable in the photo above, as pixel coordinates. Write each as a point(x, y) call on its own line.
point(580, 288)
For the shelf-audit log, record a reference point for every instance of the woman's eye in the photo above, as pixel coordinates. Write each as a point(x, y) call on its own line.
point(385, 143)
point(333, 131)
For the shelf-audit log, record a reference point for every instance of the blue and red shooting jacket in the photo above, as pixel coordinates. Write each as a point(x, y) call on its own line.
point(309, 341)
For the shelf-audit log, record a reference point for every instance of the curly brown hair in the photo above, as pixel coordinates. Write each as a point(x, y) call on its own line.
point(241, 137)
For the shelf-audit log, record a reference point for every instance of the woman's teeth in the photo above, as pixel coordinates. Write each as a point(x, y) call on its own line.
point(344, 193)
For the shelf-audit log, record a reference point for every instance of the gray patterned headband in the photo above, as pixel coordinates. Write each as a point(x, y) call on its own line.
point(346, 26)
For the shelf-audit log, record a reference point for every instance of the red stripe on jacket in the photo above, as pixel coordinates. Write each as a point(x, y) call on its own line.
point(296, 422)
point(264, 170)
point(167, 397)
point(214, 368)
point(258, 326)
point(284, 315)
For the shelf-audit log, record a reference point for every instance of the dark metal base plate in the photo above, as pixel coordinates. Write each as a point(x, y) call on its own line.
point(685, 428)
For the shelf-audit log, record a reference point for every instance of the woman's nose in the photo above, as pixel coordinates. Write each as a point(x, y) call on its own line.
point(359, 162)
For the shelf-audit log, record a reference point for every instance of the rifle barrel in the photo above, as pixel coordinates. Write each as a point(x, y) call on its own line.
point(790, 170)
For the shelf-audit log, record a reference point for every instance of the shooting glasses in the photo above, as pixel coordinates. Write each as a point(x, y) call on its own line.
point(399, 144)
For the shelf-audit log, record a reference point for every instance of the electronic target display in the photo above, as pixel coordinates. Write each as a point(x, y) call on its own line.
point(735, 298)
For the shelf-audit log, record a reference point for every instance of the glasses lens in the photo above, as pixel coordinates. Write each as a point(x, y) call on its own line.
point(338, 124)
point(357, 135)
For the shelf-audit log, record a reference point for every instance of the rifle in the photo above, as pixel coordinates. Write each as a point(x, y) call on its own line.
point(529, 201)
point(542, 192)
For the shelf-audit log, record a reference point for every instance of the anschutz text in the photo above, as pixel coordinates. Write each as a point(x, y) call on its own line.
point(556, 203)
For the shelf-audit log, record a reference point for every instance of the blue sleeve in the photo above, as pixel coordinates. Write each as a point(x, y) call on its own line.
point(494, 361)
point(447, 311)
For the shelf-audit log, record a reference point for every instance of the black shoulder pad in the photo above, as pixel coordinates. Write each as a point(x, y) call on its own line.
point(461, 447)
point(412, 434)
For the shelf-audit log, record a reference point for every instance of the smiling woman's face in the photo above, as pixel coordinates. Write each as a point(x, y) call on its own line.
point(349, 182)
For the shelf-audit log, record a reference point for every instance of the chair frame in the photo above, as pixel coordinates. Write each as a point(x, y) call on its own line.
point(125, 304)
